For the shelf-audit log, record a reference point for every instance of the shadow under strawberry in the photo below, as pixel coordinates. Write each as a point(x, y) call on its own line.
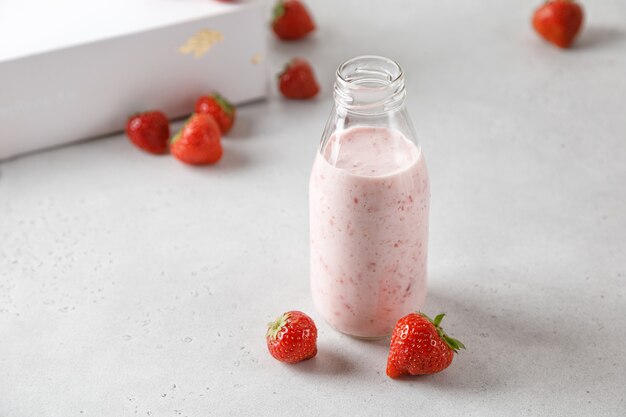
point(234, 157)
point(597, 36)
point(242, 129)
point(328, 361)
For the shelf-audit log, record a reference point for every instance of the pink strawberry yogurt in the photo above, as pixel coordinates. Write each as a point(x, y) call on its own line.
point(369, 201)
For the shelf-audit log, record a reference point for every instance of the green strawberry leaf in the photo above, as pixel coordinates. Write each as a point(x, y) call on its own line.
point(453, 343)
point(279, 10)
point(175, 137)
point(458, 343)
point(180, 132)
point(223, 103)
point(274, 327)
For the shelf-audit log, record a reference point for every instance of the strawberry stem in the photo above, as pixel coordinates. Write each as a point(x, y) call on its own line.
point(453, 343)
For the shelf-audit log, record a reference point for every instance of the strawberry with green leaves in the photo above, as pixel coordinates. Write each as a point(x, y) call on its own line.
point(218, 107)
point(419, 346)
point(291, 20)
point(292, 337)
point(198, 142)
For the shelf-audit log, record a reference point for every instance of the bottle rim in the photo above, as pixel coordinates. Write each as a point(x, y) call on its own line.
point(391, 64)
point(369, 84)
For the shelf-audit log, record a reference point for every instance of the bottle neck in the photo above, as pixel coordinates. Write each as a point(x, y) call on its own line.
point(369, 86)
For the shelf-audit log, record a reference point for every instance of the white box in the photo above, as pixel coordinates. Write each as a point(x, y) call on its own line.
point(74, 70)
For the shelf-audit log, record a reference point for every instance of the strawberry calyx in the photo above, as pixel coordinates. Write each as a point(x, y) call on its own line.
point(180, 132)
point(223, 103)
point(176, 137)
point(285, 68)
point(274, 327)
point(452, 343)
point(292, 62)
point(279, 11)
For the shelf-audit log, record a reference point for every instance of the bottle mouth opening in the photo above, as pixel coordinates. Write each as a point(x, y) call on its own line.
point(369, 84)
point(369, 71)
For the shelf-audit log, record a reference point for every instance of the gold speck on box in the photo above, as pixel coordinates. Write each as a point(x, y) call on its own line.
point(200, 43)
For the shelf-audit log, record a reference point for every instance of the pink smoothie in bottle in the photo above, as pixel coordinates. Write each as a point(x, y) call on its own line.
point(369, 199)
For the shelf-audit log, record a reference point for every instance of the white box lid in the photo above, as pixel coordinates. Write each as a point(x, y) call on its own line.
point(29, 27)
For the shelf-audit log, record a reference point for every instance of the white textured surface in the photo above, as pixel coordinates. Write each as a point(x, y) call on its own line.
point(134, 285)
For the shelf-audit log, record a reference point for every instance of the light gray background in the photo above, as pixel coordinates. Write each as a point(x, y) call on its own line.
point(135, 285)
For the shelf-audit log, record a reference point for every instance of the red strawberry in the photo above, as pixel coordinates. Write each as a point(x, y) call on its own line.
point(292, 337)
point(419, 346)
point(297, 80)
point(291, 20)
point(218, 107)
point(149, 131)
point(558, 21)
point(199, 141)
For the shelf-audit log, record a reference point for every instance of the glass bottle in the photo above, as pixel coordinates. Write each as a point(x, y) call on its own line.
point(369, 198)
